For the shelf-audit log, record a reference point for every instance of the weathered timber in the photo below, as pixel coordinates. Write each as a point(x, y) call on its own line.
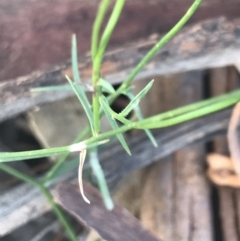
point(36, 34)
point(116, 163)
point(174, 189)
point(221, 81)
point(208, 44)
point(115, 225)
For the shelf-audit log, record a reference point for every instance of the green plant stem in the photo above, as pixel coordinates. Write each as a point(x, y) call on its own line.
point(24, 155)
point(63, 158)
point(98, 172)
point(169, 118)
point(96, 69)
point(97, 26)
point(98, 55)
point(157, 47)
point(58, 212)
point(124, 86)
point(108, 31)
point(96, 112)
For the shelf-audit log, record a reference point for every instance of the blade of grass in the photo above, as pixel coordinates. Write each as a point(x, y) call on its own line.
point(80, 93)
point(74, 58)
point(156, 122)
point(52, 88)
point(107, 87)
point(84, 101)
point(140, 117)
point(98, 172)
point(105, 105)
point(25, 155)
point(108, 32)
point(97, 54)
point(114, 125)
point(136, 100)
point(102, 10)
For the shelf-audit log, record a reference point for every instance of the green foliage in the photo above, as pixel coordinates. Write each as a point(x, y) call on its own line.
point(136, 100)
point(107, 87)
point(101, 105)
point(138, 113)
point(113, 123)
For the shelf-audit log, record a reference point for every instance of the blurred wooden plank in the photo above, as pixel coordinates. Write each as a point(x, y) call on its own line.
point(117, 224)
point(213, 43)
point(221, 81)
point(175, 188)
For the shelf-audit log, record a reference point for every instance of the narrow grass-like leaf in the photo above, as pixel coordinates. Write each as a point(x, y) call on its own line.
point(105, 105)
point(26, 155)
point(114, 126)
point(83, 100)
point(158, 122)
point(86, 87)
point(78, 89)
point(109, 29)
point(76, 74)
point(101, 13)
point(107, 87)
point(135, 101)
point(102, 183)
point(140, 117)
point(52, 88)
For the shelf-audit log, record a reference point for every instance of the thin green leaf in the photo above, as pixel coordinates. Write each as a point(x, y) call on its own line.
point(52, 88)
point(113, 19)
point(107, 87)
point(86, 87)
point(83, 100)
point(140, 117)
point(25, 155)
point(158, 122)
point(78, 89)
point(101, 13)
point(102, 183)
point(114, 126)
point(135, 101)
point(105, 105)
point(76, 74)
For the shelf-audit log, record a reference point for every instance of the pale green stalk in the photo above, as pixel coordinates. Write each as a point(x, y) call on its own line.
point(181, 114)
point(63, 158)
point(102, 10)
point(97, 60)
point(97, 170)
point(157, 47)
